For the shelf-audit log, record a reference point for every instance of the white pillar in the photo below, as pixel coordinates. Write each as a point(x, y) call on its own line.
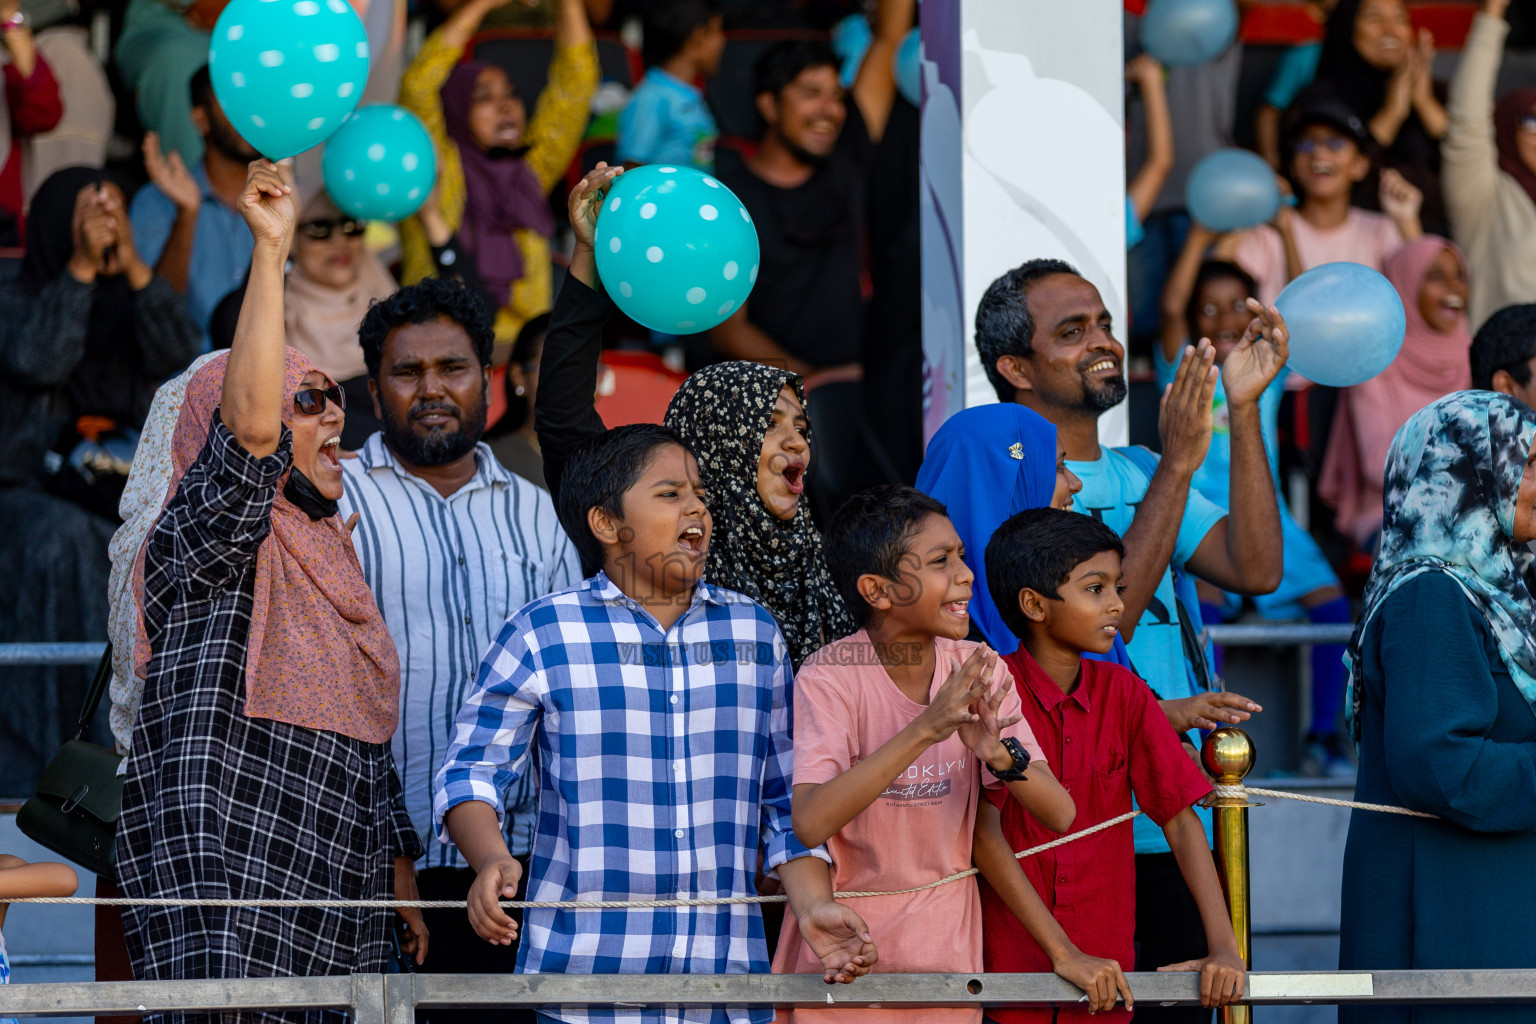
point(1023, 157)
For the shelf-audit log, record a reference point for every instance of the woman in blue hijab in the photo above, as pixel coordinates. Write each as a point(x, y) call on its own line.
point(987, 464)
point(1442, 693)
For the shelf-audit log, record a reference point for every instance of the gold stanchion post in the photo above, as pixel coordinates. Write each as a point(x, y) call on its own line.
point(1228, 756)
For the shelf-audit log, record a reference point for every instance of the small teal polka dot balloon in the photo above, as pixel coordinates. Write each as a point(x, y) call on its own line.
point(380, 164)
point(288, 72)
point(675, 248)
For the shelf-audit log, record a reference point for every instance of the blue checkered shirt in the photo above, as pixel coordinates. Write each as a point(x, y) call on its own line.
point(665, 766)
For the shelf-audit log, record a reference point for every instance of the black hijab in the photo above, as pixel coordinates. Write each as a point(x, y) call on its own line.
point(1363, 88)
point(107, 380)
point(723, 412)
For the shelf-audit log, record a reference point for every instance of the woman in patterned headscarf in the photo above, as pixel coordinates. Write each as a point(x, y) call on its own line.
point(745, 423)
point(260, 764)
point(1442, 695)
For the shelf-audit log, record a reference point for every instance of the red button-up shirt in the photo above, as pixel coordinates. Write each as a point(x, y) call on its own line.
point(1105, 741)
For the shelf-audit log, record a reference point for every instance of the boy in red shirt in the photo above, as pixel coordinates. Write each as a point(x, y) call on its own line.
point(897, 730)
point(1055, 578)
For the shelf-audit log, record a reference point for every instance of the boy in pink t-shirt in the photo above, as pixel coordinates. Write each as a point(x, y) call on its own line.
point(897, 728)
point(1326, 156)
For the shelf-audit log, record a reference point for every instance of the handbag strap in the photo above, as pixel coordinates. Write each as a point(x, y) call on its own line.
point(97, 690)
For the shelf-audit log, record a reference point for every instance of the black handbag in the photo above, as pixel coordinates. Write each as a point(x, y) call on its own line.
point(74, 811)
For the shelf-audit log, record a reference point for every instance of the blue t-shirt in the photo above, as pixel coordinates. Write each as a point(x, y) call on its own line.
point(1306, 567)
point(221, 246)
point(1113, 486)
point(1214, 477)
point(1294, 72)
point(1134, 232)
point(667, 121)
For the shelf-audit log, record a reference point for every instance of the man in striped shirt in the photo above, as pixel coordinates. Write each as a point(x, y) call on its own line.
point(451, 543)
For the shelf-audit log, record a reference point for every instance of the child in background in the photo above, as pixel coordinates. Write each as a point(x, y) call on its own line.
point(667, 120)
point(1326, 150)
point(1055, 577)
point(18, 880)
point(660, 708)
point(1294, 72)
point(1209, 299)
point(893, 727)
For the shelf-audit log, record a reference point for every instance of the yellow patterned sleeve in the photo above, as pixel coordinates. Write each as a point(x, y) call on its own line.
point(419, 93)
point(560, 119)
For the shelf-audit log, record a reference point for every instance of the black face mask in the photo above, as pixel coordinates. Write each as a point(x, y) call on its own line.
point(307, 496)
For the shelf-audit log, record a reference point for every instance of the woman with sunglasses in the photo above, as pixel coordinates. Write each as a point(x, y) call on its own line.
point(333, 278)
point(261, 764)
point(1489, 172)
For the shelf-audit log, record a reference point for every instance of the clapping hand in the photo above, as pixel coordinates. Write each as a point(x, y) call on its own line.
point(983, 736)
point(170, 176)
point(953, 705)
point(1184, 418)
point(1255, 361)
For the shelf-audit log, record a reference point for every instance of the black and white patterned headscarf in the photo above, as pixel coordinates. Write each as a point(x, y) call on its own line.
point(723, 413)
point(1452, 477)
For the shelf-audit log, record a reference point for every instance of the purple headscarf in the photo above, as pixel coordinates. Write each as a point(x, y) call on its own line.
point(501, 193)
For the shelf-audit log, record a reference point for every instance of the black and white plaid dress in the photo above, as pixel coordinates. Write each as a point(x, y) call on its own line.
point(218, 805)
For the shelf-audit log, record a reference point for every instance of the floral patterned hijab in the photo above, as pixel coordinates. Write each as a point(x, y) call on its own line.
point(1451, 481)
point(722, 413)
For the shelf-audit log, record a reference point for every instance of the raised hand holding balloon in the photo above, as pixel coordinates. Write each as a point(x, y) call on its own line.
point(1232, 189)
point(1346, 323)
point(287, 72)
point(1180, 33)
point(675, 249)
point(380, 164)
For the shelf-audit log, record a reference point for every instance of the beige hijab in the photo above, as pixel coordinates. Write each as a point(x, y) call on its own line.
point(321, 321)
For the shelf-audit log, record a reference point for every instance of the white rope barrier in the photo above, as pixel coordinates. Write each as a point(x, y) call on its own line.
point(1219, 791)
point(124, 901)
point(1239, 792)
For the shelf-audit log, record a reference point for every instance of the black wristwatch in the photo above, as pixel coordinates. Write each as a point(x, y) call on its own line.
point(1014, 773)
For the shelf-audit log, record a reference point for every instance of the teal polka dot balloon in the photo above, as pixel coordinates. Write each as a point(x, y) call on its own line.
point(288, 72)
point(380, 164)
point(676, 249)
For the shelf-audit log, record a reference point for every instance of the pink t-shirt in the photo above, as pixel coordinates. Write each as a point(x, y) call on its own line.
point(1364, 237)
point(918, 831)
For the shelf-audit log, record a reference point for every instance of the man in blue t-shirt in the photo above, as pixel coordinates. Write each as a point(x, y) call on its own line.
point(667, 120)
point(1046, 342)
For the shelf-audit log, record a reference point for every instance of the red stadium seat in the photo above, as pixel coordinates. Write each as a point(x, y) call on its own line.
point(635, 387)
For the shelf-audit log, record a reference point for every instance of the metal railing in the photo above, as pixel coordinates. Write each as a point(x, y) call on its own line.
point(395, 998)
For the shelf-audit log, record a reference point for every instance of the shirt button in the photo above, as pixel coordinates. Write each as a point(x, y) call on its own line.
point(674, 698)
point(1069, 739)
point(466, 620)
point(461, 559)
point(1061, 879)
point(680, 950)
point(678, 833)
point(677, 766)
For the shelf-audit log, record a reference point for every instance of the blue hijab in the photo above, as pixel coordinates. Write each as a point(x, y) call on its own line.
point(1452, 476)
point(986, 465)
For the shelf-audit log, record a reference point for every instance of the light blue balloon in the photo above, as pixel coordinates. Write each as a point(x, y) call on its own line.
point(909, 68)
point(380, 164)
point(676, 249)
point(850, 40)
point(288, 72)
point(1346, 323)
point(1184, 32)
point(1232, 189)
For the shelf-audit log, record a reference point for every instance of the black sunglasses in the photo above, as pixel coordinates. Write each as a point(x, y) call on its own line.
point(311, 401)
point(320, 230)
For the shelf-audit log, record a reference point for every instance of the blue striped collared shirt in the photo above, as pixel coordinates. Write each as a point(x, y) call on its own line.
point(447, 572)
point(664, 765)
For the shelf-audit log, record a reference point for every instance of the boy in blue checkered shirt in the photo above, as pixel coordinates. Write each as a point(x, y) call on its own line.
point(660, 708)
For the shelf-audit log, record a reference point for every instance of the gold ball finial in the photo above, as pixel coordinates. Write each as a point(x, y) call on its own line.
point(1228, 755)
